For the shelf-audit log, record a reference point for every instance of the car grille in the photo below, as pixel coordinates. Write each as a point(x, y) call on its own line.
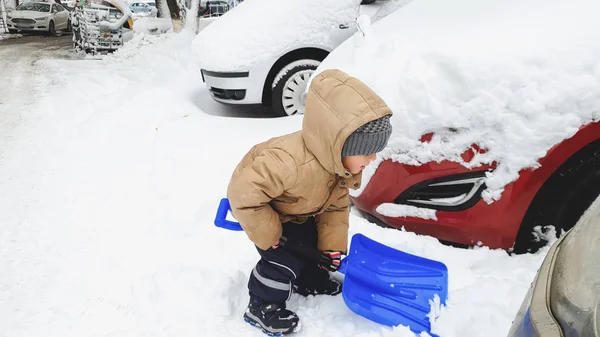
point(24, 21)
point(228, 94)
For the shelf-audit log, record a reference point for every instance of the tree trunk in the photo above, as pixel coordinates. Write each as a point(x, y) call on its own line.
point(172, 8)
point(191, 21)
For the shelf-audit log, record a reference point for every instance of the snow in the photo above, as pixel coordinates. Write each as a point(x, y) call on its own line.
point(7, 36)
point(149, 25)
point(284, 71)
point(257, 40)
point(116, 24)
point(395, 210)
point(514, 77)
point(111, 181)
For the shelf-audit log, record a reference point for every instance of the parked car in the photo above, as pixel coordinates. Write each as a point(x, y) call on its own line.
point(485, 151)
point(39, 16)
point(564, 298)
point(143, 9)
point(263, 52)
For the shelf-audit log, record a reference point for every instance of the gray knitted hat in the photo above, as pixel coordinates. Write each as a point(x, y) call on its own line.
point(370, 138)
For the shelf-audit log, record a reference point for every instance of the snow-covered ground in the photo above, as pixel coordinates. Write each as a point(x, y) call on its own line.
point(109, 189)
point(7, 36)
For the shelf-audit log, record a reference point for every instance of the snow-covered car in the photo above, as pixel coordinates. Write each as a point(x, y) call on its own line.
point(564, 298)
point(496, 118)
point(264, 51)
point(39, 16)
point(101, 26)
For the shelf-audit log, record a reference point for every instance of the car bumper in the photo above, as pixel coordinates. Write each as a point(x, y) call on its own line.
point(242, 87)
point(474, 223)
point(535, 318)
point(39, 26)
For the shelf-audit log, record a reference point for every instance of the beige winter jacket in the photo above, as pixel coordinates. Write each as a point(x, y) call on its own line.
point(293, 177)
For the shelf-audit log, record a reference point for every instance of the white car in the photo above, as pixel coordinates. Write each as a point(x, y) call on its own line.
point(39, 16)
point(264, 51)
point(141, 9)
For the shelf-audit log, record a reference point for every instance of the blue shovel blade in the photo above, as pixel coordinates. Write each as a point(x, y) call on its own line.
point(392, 287)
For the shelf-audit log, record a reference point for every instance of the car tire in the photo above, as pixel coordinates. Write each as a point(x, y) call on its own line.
point(562, 200)
point(51, 28)
point(367, 2)
point(289, 85)
point(12, 31)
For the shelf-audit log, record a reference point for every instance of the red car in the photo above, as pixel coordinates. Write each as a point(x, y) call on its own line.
point(557, 193)
point(505, 76)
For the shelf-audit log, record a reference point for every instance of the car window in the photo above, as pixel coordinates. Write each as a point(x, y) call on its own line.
point(54, 9)
point(60, 8)
point(34, 6)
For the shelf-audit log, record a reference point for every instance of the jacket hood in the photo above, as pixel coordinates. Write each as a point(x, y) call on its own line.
point(336, 105)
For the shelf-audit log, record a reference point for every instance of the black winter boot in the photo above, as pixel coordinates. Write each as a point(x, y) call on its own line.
point(273, 318)
point(329, 287)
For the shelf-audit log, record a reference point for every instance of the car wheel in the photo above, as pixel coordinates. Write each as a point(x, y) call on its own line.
point(562, 200)
point(51, 29)
point(69, 26)
point(12, 31)
point(289, 86)
point(367, 2)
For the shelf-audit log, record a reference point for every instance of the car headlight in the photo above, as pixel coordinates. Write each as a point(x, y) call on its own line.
point(450, 193)
point(42, 18)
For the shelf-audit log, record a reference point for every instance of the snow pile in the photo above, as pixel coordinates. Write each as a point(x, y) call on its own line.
point(7, 36)
point(265, 28)
point(513, 76)
point(113, 176)
point(149, 25)
point(132, 47)
point(394, 210)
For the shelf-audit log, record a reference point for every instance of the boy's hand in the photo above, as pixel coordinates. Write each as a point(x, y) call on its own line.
point(275, 245)
point(332, 260)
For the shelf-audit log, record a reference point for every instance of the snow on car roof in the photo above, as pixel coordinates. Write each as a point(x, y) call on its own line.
point(256, 30)
point(515, 77)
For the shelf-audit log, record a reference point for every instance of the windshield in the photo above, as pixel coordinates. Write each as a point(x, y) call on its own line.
point(34, 6)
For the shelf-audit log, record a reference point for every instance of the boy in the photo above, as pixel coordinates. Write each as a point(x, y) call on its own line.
point(297, 185)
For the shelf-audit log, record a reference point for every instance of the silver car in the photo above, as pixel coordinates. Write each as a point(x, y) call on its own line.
point(39, 16)
point(564, 298)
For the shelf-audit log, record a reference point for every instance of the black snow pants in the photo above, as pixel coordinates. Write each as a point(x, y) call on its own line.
point(276, 273)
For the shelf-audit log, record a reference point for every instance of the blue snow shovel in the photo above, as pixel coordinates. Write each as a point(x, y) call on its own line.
point(381, 283)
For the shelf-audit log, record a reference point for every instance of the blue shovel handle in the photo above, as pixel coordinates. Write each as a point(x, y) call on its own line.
point(221, 218)
point(308, 252)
